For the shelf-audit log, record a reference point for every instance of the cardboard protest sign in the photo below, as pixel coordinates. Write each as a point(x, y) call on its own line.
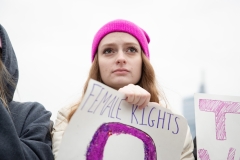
point(217, 127)
point(106, 127)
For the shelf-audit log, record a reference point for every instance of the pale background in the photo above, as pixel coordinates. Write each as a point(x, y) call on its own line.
point(52, 40)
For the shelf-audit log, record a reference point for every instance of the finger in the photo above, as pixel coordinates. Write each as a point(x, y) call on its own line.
point(145, 99)
point(140, 95)
point(137, 97)
point(145, 103)
point(130, 93)
point(141, 102)
point(127, 91)
point(130, 97)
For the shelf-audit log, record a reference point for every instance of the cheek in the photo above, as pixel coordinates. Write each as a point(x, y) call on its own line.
point(138, 69)
point(103, 68)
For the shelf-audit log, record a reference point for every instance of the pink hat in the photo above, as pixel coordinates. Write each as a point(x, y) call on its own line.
point(0, 43)
point(121, 25)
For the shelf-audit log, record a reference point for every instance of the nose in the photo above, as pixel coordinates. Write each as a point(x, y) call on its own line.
point(121, 59)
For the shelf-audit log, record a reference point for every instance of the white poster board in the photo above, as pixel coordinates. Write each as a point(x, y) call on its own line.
point(106, 127)
point(217, 127)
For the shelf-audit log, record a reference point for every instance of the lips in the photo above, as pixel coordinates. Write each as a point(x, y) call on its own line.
point(120, 70)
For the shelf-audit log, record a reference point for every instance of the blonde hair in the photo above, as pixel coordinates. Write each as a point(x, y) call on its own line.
point(5, 80)
point(147, 82)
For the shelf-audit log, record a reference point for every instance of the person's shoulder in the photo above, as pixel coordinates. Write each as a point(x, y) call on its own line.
point(28, 107)
point(30, 110)
point(62, 121)
point(29, 115)
point(64, 112)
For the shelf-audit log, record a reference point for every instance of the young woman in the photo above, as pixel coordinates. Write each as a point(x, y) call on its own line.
point(25, 128)
point(120, 59)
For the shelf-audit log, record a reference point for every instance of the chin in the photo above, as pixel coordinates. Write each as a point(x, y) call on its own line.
point(120, 83)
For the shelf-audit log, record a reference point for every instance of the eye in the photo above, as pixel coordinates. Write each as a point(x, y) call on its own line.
point(132, 49)
point(107, 51)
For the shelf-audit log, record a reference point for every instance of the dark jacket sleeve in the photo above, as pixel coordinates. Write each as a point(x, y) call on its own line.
point(195, 148)
point(25, 132)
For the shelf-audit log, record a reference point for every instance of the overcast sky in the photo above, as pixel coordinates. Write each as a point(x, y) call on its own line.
point(52, 40)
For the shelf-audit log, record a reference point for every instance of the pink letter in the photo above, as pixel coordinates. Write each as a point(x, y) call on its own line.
point(231, 154)
point(203, 154)
point(220, 108)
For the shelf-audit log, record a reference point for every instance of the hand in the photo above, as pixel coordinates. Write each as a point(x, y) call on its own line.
point(136, 95)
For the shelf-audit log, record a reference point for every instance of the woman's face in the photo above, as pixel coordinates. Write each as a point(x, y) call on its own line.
point(120, 61)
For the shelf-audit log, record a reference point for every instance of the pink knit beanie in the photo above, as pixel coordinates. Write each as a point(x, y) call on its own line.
point(121, 25)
